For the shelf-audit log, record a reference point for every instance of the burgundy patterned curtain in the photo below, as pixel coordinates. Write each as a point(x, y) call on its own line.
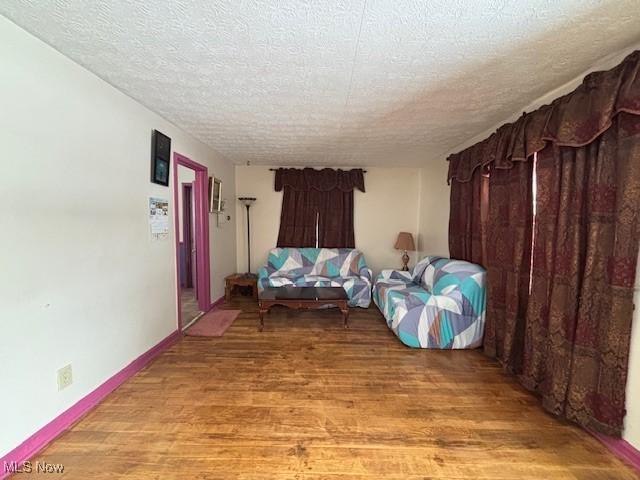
point(563, 325)
point(317, 201)
point(581, 303)
point(508, 262)
point(467, 223)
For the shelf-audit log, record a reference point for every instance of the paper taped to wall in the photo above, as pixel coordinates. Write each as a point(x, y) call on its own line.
point(159, 218)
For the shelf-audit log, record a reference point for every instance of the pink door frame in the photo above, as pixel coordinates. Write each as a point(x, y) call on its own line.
point(201, 213)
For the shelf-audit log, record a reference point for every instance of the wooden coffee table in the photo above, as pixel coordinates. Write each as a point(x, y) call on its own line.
point(303, 298)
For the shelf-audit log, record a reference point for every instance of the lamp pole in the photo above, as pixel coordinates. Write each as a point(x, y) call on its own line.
point(248, 240)
point(247, 201)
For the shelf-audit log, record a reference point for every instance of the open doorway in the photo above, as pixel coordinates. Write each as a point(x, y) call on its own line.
point(192, 239)
point(188, 265)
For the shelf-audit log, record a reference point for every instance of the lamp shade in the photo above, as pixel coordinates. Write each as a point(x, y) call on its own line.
point(405, 242)
point(247, 201)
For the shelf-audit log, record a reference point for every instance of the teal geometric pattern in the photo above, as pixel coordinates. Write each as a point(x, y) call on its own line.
point(440, 304)
point(319, 267)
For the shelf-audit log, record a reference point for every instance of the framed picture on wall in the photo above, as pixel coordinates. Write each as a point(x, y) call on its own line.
point(160, 155)
point(215, 194)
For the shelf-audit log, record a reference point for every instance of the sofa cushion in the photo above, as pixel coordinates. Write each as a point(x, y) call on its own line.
point(280, 281)
point(406, 297)
point(315, 278)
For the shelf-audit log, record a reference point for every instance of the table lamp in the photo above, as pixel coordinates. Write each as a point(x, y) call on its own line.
point(405, 243)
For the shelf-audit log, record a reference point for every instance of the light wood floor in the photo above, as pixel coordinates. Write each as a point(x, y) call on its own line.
point(189, 305)
point(308, 400)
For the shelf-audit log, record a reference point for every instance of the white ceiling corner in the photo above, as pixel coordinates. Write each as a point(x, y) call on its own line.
point(361, 82)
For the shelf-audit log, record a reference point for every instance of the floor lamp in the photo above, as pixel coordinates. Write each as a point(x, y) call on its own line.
point(247, 202)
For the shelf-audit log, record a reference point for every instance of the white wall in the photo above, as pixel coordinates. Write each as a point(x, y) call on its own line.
point(81, 281)
point(433, 235)
point(632, 421)
point(389, 205)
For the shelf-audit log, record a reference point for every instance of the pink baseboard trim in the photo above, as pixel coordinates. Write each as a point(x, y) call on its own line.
point(217, 303)
point(36, 442)
point(621, 449)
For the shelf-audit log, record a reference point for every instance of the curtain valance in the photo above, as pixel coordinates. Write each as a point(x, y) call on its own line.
point(323, 180)
point(574, 120)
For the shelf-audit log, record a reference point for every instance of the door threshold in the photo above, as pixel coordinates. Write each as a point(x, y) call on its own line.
point(195, 319)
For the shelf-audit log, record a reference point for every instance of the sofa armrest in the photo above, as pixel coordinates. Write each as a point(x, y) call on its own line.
point(263, 277)
point(395, 275)
point(264, 273)
point(366, 274)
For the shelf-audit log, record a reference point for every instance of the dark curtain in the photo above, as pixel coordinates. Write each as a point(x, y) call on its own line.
point(335, 222)
point(581, 303)
point(573, 120)
point(323, 180)
point(298, 218)
point(563, 325)
point(322, 198)
point(508, 262)
point(467, 222)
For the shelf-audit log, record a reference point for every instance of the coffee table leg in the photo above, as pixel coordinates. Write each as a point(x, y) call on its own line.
point(261, 314)
point(345, 314)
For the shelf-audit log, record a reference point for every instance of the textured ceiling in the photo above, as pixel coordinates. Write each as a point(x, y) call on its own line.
point(362, 82)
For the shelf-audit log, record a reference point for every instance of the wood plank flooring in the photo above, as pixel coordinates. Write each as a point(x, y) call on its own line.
point(308, 400)
point(189, 305)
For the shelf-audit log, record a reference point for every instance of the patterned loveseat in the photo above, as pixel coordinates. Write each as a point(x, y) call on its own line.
point(319, 267)
point(440, 304)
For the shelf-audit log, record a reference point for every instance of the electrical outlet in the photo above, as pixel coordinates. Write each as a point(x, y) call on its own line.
point(65, 377)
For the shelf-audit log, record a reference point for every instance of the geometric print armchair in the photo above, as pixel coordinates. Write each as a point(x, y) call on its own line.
point(319, 267)
point(440, 304)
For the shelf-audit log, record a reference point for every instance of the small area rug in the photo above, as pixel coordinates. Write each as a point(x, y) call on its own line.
point(213, 324)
